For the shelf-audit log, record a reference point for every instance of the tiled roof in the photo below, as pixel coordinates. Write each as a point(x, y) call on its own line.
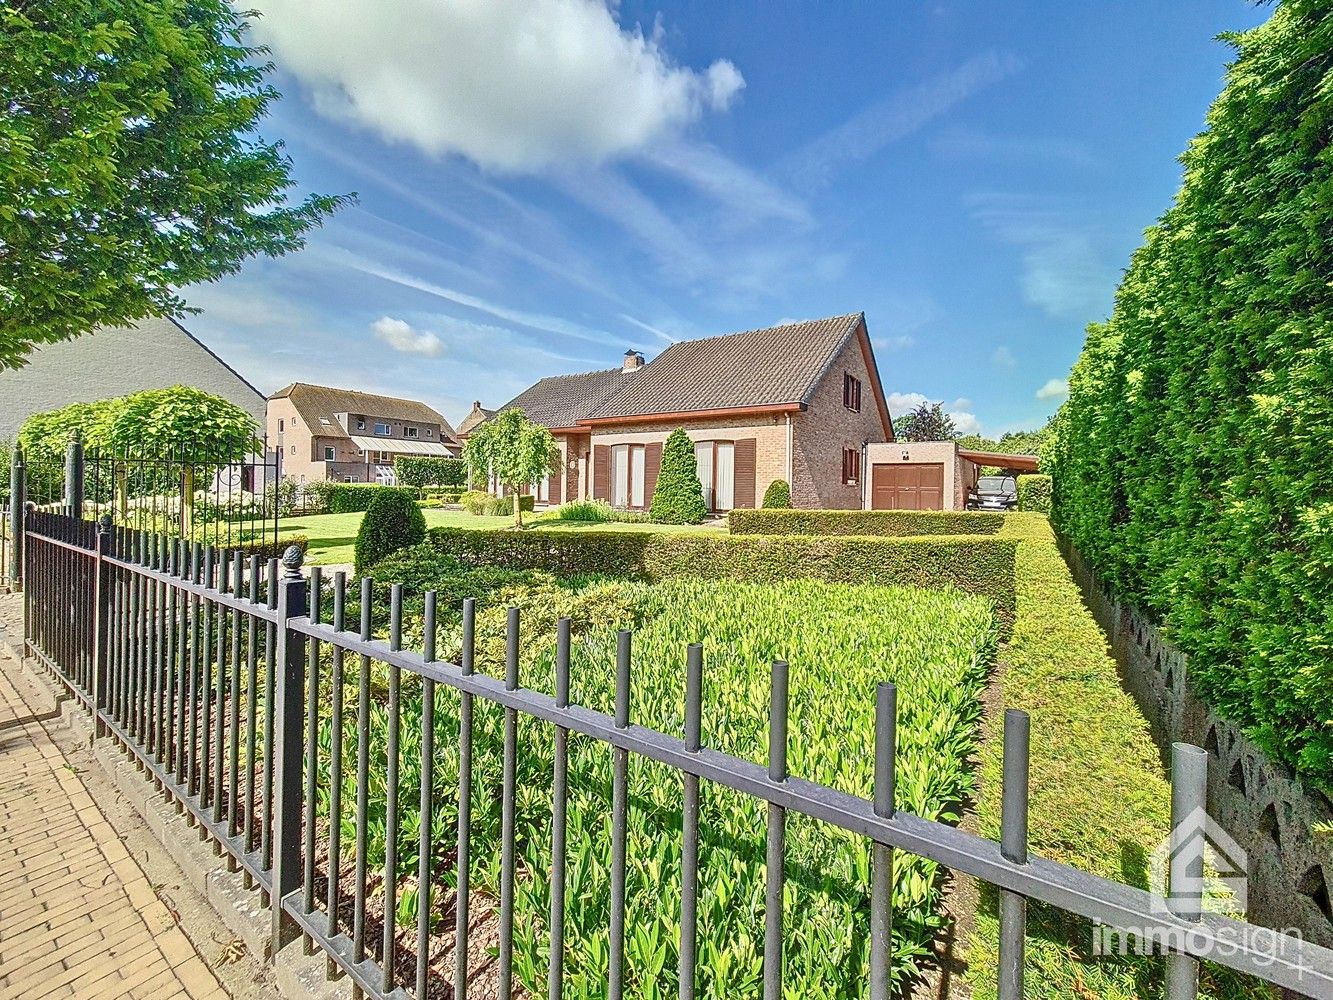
point(314, 402)
point(780, 364)
point(563, 400)
point(476, 416)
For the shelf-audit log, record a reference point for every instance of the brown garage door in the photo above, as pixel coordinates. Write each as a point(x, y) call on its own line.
point(907, 487)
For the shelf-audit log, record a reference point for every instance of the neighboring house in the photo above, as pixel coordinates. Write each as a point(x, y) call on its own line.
point(930, 475)
point(477, 416)
point(342, 435)
point(798, 402)
point(152, 354)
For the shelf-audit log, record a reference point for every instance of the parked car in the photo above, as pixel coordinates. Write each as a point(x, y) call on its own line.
point(994, 493)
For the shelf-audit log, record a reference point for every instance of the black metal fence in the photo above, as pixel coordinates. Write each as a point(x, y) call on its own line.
point(225, 676)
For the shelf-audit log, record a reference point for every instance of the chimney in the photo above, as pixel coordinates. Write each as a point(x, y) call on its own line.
point(633, 361)
point(476, 406)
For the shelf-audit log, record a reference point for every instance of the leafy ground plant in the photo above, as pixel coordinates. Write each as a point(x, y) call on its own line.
point(840, 641)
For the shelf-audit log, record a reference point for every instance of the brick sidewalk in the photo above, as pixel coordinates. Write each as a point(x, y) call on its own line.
point(78, 917)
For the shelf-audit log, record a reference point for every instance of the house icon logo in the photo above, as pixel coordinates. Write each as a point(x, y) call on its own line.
point(1216, 865)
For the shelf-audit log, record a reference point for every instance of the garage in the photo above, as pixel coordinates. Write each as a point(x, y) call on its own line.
point(915, 486)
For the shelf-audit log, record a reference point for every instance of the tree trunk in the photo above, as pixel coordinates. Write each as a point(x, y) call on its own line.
point(187, 501)
point(518, 509)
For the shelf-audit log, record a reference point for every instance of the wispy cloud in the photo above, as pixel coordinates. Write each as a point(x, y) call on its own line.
point(407, 339)
point(737, 190)
point(891, 118)
point(1004, 358)
point(1056, 388)
point(966, 143)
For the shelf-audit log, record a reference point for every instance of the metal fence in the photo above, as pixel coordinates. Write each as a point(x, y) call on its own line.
point(222, 674)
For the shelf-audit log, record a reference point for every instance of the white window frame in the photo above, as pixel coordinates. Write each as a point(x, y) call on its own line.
point(329, 454)
point(387, 432)
point(411, 431)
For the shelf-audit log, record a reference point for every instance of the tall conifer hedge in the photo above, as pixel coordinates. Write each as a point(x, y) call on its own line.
point(1193, 461)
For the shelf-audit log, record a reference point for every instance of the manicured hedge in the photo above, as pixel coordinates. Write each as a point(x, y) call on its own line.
point(976, 565)
point(1190, 461)
point(271, 548)
point(484, 504)
point(431, 470)
point(1034, 494)
point(347, 498)
point(393, 521)
point(863, 522)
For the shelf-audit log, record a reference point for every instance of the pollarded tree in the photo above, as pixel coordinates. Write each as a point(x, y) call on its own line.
point(679, 496)
point(513, 451)
point(133, 165)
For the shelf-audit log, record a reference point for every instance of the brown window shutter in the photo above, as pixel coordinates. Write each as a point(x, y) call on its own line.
point(652, 465)
point(743, 488)
point(601, 472)
point(556, 475)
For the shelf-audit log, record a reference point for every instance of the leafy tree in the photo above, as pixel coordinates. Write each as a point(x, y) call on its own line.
point(778, 494)
point(512, 449)
point(927, 422)
point(132, 163)
point(392, 521)
point(679, 496)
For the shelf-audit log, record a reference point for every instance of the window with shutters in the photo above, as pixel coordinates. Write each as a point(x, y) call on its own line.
point(627, 476)
point(716, 464)
point(851, 392)
point(851, 466)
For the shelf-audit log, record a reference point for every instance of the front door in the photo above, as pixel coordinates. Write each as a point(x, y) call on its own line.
point(907, 487)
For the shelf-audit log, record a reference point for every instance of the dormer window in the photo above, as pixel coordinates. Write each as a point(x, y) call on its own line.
point(429, 432)
point(411, 432)
point(382, 429)
point(360, 423)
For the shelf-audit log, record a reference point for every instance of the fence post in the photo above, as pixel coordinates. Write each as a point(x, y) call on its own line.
point(1189, 790)
point(18, 488)
point(101, 620)
point(74, 476)
point(289, 672)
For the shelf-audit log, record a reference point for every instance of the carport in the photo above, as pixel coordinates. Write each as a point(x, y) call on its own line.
point(929, 475)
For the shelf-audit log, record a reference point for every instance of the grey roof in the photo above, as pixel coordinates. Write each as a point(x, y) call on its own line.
point(779, 364)
point(316, 401)
point(563, 400)
point(113, 361)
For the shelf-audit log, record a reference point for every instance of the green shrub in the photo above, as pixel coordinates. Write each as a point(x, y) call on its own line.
point(1034, 494)
point(1190, 459)
point(444, 494)
point(430, 470)
point(348, 498)
point(840, 640)
point(778, 495)
point(485, 505)
point(594, 512)
point(393, 521)
point(679, 496)
point(269, 548)
point(863, 522)
point(973, 564)
point(424, 567)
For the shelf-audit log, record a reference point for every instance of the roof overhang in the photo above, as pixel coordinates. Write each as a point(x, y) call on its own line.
point(1019, 463)
point(764, 409)
point(400, 446)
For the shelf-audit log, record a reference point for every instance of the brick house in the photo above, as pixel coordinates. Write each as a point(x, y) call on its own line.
point(342, 435)
point(798, 402)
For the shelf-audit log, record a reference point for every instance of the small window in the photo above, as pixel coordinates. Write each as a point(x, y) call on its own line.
point(348, 479)
point(851, 466)
point(382, 429)
point(429, 432)
point(328, 454)
point(851, 392)
point(281, 423)
point(360, 425)
point(411, 432)
point(293, 449)
point(385, 457)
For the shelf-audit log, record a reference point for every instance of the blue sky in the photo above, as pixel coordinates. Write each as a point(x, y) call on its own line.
point(545, 183)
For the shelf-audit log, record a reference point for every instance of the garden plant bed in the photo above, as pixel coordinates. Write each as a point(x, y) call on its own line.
point(840, 641)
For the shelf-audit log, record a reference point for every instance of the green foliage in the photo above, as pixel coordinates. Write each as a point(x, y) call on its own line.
point(594, 512)
point(393, 521)
point(430, 470)
point(927, 422)
point(679, 496)
point(133, 164)
point(347, 498)
point(1190, 466)
point(1034, 494)
point(1100, 801)
point(840, 641)
point(269, 548)
point(514, 451)
point(863, 522)
point(778, 495)
point(976, 565)
point(444, 494)
point(1011, 442)
point(482, 504)
point(424, 567)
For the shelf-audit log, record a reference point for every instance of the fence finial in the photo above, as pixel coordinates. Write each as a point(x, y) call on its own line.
point(292, 560)
point(105, 523)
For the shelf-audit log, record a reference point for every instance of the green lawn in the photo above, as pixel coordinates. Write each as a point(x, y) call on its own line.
point(332, 536)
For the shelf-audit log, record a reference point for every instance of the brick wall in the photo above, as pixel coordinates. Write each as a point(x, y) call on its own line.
point(827, 427)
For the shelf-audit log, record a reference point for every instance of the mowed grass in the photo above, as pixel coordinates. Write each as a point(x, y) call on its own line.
point(333, 536)
point(1100, 798)
point(840, 641)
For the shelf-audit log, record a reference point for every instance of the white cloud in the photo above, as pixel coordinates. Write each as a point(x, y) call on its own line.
point(1056, 388)
point(901, 402)
point(403, 336)
point(513, 85)
point(960, 409)
point(1004, 358)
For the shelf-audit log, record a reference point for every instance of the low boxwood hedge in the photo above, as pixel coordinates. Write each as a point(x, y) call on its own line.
point(895, 523)
point(270, 548)
point(973, 564)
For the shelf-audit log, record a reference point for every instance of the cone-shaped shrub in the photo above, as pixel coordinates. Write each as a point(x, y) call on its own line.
point(393, 521)
point(778, 494)
point(679, 496)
